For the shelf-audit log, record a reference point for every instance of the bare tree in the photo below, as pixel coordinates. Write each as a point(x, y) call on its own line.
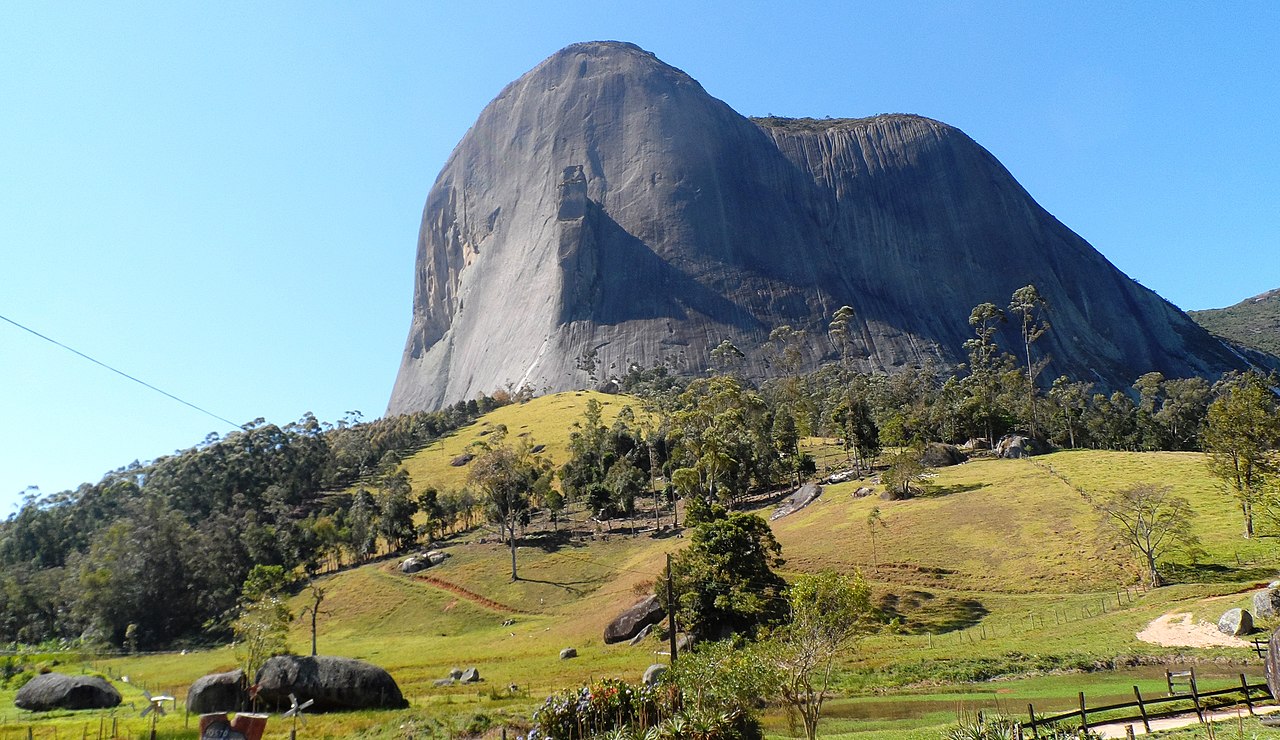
point(1150, 521)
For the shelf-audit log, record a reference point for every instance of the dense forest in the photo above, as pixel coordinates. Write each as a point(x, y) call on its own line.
point(156, 554)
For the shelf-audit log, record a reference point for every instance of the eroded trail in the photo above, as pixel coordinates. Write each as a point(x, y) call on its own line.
point(471, 596)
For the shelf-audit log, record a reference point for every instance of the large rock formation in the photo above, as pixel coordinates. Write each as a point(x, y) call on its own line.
point(605, 210)
point(334, 683)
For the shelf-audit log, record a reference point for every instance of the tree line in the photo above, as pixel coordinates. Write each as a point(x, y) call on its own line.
point(159, 552)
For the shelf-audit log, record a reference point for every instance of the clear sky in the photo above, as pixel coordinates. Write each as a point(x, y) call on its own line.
point(223, 198)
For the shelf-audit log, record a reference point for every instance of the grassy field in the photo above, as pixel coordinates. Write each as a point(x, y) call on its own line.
point(998, 571)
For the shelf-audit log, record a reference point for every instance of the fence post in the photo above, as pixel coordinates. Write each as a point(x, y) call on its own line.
point(1031, 712)
point(1168, 679)
point(1195, 696)
point(1244, 687)
point(1084, 720)
point(1142, 710)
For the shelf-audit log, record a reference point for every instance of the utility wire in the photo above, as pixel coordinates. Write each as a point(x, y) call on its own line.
point(121, 372)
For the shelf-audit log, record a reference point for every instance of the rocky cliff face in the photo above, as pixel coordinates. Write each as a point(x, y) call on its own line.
point(605, 206)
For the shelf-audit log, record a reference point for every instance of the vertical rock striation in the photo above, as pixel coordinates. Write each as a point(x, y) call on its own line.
point(605, 206)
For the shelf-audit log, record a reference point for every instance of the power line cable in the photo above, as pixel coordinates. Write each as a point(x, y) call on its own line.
point(121, 372)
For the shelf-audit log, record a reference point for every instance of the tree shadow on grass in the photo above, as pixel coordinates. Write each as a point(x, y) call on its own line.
point(552, 541)
point(1215, 573)
point(940, 491)
point(921, 612)
point(572, 587)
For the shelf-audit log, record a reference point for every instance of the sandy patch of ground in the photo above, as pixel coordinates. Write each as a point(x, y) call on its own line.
point(1178, 630)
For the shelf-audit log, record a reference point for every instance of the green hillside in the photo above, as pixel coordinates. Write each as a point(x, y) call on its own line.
point(1254, 322)
point(997, 569)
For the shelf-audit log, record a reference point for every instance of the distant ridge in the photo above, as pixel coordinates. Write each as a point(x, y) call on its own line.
point(605, 210)
point(1253, 322)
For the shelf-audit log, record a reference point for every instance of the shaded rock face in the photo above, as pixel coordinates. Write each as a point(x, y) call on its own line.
point(939, 455)
point(59, 691)
point(802, 497)
point(629, 623)
point(218, 692)
point(334, 683)
point(605, 205)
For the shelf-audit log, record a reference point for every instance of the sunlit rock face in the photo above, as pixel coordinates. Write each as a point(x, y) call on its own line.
point(604, 206)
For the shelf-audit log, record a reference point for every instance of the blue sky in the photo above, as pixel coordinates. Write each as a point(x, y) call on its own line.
point(223, 198)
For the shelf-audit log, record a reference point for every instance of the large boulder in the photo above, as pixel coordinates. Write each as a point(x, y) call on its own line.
point(60, 691)
point(1266, 603)
point(629, 623)
point(1236, 622)
point(939, 455)
point(653, 674)
point(334, 683)
point(218, 692)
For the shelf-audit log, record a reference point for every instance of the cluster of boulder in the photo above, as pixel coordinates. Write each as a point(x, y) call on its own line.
point(458, 675)
point(422, 561)
point(1266, 605)
point(333, 683)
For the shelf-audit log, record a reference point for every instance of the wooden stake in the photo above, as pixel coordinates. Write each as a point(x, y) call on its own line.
point(1195, 696)
point(1244, 686)
point(1142, 710)
point(1084, 719)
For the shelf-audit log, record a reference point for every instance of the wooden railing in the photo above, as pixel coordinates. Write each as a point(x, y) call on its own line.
point(1200, 702)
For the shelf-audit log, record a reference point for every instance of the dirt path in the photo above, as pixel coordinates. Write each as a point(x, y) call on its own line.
point(471, 596)
point(1177, 630)
point(1182, 720)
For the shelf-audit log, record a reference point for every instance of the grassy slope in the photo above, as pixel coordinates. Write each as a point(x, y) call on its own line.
point(1002, 556)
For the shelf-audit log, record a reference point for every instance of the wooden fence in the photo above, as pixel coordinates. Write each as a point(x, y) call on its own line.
point(1200, 702)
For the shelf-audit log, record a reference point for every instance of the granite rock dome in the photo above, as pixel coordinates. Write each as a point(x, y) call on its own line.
point(604, 205)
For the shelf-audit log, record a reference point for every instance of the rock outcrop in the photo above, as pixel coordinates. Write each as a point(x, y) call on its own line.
point(605, 210)
point(334, 683)
point(59, 691)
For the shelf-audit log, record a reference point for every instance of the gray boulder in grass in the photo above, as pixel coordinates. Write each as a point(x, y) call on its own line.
point(1266, 603)
point(334, 683)
point(60, 691)
point(1236, 622)
point(218, 692)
